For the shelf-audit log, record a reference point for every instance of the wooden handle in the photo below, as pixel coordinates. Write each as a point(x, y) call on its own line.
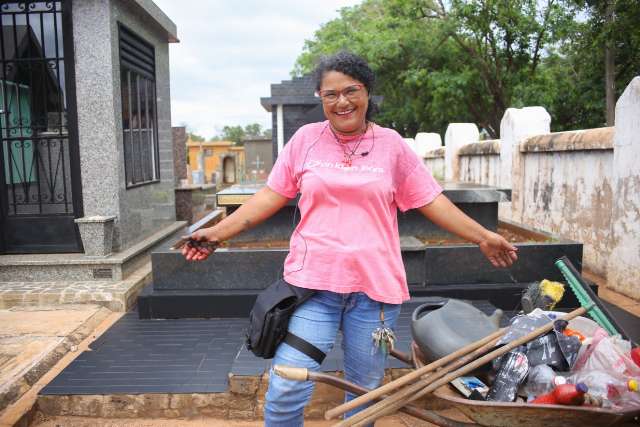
point(388, 406)
point(410, 377)
point(421, 384)
point(291, 373)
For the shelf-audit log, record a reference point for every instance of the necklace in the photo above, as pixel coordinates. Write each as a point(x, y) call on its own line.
point(347, 152)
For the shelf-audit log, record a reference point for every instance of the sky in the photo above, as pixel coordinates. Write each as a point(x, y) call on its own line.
point(231, 51)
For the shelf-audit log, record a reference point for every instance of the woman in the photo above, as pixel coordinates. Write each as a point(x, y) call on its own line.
point(352, 176)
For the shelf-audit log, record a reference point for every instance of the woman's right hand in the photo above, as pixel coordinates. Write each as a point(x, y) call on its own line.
point(193, 252)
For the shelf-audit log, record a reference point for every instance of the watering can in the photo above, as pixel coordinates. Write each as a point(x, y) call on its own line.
point(442, 326)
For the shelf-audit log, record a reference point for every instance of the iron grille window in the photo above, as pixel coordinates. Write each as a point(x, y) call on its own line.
point(139, 116)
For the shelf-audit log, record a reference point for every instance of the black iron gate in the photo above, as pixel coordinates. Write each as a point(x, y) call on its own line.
point(40, 179)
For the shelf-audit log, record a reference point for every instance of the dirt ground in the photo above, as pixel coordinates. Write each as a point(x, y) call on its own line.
point(392, 421)
point(508, 234)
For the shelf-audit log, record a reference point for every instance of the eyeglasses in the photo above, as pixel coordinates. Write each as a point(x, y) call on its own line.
point(352, 93)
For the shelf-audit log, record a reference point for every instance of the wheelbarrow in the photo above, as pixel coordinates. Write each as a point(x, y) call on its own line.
point(481, 413)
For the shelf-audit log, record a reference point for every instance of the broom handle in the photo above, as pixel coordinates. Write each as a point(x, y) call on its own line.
point(410, 377)
point(425, 381)
point(390, 404)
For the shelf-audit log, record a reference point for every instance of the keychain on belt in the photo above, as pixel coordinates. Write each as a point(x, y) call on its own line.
point(383, 336)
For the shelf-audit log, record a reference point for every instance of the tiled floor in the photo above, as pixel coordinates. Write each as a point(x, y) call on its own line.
point(180, 356)
point(195, 355)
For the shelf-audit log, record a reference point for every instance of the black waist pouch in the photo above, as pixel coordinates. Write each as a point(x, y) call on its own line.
point(269, 320)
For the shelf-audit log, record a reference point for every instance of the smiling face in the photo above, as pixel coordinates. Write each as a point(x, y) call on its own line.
point(348, 113)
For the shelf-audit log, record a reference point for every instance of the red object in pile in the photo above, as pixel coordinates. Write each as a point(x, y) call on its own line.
point(573, 333)
point(635, 355)
point(564, 394)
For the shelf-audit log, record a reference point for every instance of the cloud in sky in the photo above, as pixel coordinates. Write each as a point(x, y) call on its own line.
point(231, 51)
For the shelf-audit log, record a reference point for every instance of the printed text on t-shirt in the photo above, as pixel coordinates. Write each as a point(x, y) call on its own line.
point(339, 165)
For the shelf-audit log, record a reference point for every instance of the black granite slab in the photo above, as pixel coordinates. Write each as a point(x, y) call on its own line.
point(413, 223)
point(153, 304)
point(225, 269)
point(454, 264)
point(424, 264)
point(237, 269)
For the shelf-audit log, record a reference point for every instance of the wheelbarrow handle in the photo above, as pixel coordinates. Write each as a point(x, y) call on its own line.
point(291, 373)
point(303, 374)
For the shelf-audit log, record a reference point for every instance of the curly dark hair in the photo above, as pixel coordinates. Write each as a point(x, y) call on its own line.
point(353, 66)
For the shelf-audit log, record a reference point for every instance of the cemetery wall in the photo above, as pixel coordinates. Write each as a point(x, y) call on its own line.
point(582, 185)
point(434, 160)
point(565, 188)
point(480, 163)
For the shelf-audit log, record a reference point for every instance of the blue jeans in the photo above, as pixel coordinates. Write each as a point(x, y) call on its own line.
point(318, 321)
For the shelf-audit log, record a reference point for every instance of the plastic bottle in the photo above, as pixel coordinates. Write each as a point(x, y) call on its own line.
point(564, 394)
point(541, 380)
point(607, 386)
point(635, 355)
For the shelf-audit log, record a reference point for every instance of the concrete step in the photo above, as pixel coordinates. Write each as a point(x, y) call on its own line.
point(118, 295)
point(79, 268)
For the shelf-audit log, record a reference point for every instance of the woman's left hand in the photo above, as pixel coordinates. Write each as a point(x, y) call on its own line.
point(497, 250)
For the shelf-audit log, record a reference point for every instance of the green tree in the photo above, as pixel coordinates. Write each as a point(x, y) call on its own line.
point(438, 63)
point(233, 133)
point(605, 53)
point(195, 137)
point(252, 130)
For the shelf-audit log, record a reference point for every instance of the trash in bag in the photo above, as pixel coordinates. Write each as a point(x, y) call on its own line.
point(524, 324)
point(554, 349)
point(513, 369)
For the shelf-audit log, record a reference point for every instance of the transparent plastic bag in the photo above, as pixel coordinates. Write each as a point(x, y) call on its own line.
point(605, 366)
point(607, 354)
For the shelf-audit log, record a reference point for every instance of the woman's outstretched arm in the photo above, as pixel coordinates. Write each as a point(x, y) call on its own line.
point(442, 212)
point(257, 209)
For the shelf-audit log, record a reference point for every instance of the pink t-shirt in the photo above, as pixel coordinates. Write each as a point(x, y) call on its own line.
point(347, 239)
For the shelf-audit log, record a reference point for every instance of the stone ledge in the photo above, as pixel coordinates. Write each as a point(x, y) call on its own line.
point(243, 401)
point(23, 380)
point(435, 154)
point(78, 268)
point(482, 148)
point(579, 140)
point(77, 258)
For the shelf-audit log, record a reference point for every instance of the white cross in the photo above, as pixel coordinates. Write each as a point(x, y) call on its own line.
point(257, 162)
